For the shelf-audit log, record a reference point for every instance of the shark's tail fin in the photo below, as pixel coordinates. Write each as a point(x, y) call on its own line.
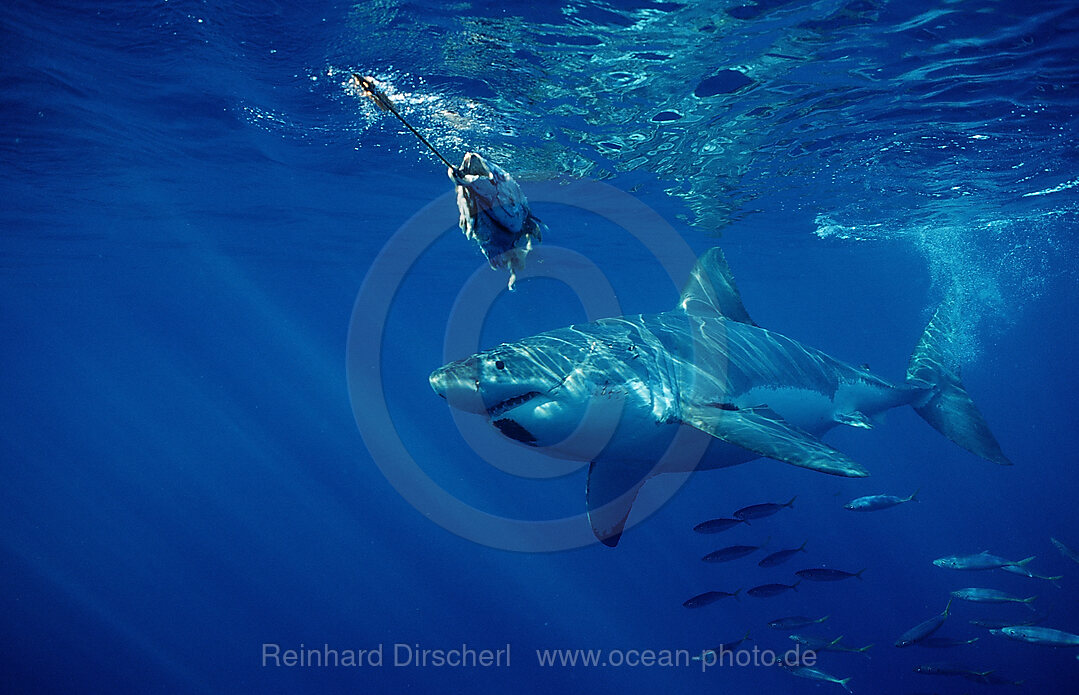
point(946, 405)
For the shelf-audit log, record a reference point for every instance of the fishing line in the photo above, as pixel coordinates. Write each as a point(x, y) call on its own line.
point(370, 90)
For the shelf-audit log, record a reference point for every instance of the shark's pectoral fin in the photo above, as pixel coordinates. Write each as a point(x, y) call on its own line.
point(612, 489)
point(763, 431)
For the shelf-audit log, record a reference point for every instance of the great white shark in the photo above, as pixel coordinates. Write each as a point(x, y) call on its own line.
point(634, 380)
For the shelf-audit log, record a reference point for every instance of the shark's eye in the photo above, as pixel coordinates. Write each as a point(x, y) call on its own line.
point(499, 364)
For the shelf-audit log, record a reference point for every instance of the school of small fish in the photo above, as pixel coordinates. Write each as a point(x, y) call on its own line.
point(924, 634)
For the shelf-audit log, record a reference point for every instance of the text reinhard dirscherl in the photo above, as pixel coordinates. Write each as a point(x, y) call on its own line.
point(398, 655)
point(464, 656)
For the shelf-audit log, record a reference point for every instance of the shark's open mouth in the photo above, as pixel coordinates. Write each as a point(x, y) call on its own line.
point(498, 408)
point(513, 430)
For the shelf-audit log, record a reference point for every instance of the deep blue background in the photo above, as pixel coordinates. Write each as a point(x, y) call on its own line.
point(190, 206)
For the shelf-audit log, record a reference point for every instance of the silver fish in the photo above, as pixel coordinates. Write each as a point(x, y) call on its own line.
point(721, 649)
point(823, 644)
point(945, 642)
point(732, 552)
point(1065, 550)
point(759, 511)
point(874, 503)
point(708, 597)
point(794, 622)
point(815, 674)
point(997, 624)
point(1024, 571)
point(717, 525)
point(827, 574)
point(979, 595)
point(953, 670)
point(781, 556)
point(767, 590)
point(814, 642)
point(924, 629)
point(1039, 635)
point(982, 561)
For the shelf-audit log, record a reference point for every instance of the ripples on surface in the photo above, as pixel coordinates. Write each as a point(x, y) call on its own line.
point(884, 121)
point(947, 127)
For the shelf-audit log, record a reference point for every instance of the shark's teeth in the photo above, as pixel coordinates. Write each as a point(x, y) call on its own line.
point(510, 403)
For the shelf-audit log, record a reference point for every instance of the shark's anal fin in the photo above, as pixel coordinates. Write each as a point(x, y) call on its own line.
point(763, 431)
point(711, 291)
point(854, 419)
point(612, 489)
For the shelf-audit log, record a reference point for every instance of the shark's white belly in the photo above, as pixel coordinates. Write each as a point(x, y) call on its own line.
point(615, 426)
point(806, 409)
point(613, 430)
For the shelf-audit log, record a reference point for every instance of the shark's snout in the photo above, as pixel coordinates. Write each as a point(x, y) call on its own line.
point(459, 386)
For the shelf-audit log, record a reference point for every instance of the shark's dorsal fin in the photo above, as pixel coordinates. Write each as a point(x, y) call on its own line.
point(764, 432)
point(711, 290)
point(612, 489)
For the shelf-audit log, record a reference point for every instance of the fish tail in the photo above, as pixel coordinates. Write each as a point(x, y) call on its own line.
point(843, 682)
point(1024, 563)
point(791, 502)
point(944, 403)
point(802, 547)
point(859, 572)
point(735, 594)
point(795, 587)
point(948, 607)
point(914, 496)
point(825, 617)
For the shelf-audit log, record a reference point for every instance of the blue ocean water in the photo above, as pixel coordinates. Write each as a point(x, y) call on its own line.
point(193, 200)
